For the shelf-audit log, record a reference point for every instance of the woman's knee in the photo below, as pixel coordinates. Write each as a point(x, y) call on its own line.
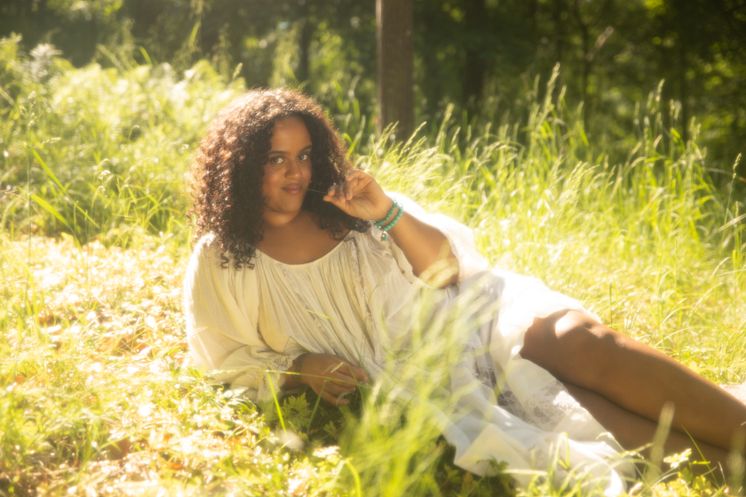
point(573, 346)
point(578, 332)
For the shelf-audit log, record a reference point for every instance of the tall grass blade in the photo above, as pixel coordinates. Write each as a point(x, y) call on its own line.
point(50, 209)
point(48, 171)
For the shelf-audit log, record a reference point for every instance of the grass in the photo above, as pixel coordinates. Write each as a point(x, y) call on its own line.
point(94, 243)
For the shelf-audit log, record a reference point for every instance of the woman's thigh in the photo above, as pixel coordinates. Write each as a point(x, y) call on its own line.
point(579, 350)
point(574, 347)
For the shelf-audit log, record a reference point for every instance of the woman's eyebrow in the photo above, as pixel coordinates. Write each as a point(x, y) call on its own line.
point(279, 151)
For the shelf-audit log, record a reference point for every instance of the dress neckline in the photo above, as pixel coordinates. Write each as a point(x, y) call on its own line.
point(309, 263)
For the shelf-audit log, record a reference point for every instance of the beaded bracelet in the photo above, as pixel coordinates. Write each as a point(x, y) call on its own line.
point(385, 219)
point(385, 226)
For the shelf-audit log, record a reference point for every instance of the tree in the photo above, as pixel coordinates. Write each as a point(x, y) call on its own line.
point(395, 65)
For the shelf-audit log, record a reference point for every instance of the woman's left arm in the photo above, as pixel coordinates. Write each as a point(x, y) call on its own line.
point(425, 247)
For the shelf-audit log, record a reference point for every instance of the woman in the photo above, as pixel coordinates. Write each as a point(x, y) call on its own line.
point(307, 268)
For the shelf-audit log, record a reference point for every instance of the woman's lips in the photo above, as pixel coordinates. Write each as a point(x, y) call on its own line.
point(293, 189)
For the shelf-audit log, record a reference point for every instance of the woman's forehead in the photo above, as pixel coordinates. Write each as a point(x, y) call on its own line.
point(290, 132)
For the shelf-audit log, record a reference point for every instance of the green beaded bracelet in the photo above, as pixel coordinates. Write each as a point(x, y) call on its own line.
point(384, 229)
point(395, 220)
point(385, 219)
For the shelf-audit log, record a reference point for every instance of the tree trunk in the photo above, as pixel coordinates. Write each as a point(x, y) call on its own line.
point(305, 36)
point(304, 51)
point(559, 31)
point(682, 65)
point(585, 77)
point(532, 13)
point(431, 36)
point(474, 70)
point(395, 65)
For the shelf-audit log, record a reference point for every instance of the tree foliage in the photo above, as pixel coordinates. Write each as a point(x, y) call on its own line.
point(482, 55)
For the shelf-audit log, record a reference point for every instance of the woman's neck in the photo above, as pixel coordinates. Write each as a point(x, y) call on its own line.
point(299, 241)
point(278, 221)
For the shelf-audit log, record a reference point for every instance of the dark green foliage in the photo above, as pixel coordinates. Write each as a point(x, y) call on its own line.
point(612, 55)
point(482, 55)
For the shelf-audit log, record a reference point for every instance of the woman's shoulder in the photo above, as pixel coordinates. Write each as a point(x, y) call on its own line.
point(207, 246)
point(210, 267)
point(208, 253)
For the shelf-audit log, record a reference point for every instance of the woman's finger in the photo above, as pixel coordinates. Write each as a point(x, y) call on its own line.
point(335, 383)
point(336, 389)
point(344, 379)
point(352, 183)
point(342, 367)
point(339, 378)
point(355, 183)
point(360, 374)
point(354, 373)
point(351, 373)
point(333, 399)
point(336, 398)
point(347, 188)
point(335, 195)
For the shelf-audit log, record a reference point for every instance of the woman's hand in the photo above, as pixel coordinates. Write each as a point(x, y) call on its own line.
point(360, 196)
point(331, 377)
point(425, 247)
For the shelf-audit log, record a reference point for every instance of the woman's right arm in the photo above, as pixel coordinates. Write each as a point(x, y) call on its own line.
point(221, 312)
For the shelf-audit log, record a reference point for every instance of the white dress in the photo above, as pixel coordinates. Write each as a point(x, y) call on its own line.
point(246, 326)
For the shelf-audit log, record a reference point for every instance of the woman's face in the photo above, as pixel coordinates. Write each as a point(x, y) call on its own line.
point(287, 172)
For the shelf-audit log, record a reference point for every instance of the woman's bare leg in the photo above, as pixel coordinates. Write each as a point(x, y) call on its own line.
point(634, 432)
point(578, 350)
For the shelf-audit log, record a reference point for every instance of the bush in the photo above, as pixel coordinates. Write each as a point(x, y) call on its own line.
point(99, 152)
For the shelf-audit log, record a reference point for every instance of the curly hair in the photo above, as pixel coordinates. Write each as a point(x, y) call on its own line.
point(228, 170)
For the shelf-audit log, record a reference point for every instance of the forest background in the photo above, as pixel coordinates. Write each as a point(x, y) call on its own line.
point(480, 55)
point(594, 144)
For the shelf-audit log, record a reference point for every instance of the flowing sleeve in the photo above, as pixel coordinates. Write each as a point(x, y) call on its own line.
point(221, 310)
point(459, 236)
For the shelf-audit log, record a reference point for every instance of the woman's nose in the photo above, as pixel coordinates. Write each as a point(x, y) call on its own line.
point(293, 168)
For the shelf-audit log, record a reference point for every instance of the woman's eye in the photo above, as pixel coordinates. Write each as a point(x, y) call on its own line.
point(276, 160)
point(305, 156)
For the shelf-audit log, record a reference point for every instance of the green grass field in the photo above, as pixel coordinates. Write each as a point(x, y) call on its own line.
point(95, 238)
